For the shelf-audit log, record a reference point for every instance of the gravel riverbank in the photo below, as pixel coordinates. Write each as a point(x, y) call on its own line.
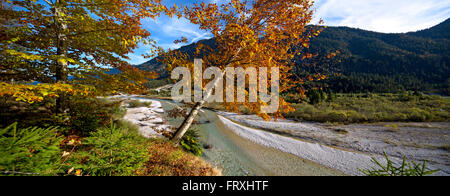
point(347, 161)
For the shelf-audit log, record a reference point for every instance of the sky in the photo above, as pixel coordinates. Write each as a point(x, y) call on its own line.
point(387, 16)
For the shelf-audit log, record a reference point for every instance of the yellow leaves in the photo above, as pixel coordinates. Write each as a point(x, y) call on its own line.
point(38, 93)
point(125, 42)
point(306, 45)
point(62, 61)
point(22, 55)
point(78, 172)
point(97, 36)
point(321, 77)
point(251, 54)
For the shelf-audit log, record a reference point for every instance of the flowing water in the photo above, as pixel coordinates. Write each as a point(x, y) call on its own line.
point(239, 157)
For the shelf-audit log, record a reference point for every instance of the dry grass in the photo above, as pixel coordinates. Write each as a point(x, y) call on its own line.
point(392, 127)
point(168, 160)
point(391, 142)
point(137, 104)
point(341, 131)
point(445, 147)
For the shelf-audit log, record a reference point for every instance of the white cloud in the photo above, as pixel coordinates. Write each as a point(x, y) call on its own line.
point(219, 2)
point(180, 27)
point(136, 59)
point(383, 15)
point(175, 28)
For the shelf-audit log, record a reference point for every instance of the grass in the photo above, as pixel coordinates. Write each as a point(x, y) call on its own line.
point(341, 131)
point(347, 108)
point(392, 127)
point(388, 141)
point(137, 104)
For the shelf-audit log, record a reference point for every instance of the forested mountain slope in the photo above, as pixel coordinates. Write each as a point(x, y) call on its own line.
point(377, 62)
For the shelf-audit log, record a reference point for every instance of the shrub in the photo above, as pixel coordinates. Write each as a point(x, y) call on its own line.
point(392, 127)
point(245, 111)
point(26, 114)
point(190, 142)
point(354, 116)
point(341, 131)
point(156, 83)
point(127, 126)
point(339, 116)
point(137, 104)
point(406, 169)
point(87, 115)
point(374, 108)
point(399, 117)
point(111, 151)
point(29, 151)
point(445, 147)
point(418, 115)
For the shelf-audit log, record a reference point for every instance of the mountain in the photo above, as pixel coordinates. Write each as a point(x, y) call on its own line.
point(377, 62)
point(156, 66)
point(441, 31)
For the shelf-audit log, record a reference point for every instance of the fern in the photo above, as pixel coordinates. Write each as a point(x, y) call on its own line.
point(190, 142)
point(29, 151)
point(111, 151)
point(406, 169)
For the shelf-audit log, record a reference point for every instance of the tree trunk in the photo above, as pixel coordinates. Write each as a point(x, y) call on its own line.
point(184, 127)
point(61, 51)
point(187, 122)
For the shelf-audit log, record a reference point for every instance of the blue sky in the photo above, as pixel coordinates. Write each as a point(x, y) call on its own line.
point(389, 16)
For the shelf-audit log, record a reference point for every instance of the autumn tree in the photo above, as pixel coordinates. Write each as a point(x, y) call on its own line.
point(49, 41)
point(259, 33)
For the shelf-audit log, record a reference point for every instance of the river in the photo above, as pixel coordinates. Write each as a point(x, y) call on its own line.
point(245, 145)
point(237, 156)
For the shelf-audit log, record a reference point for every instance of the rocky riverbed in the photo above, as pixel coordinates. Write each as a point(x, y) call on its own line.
point(149, 119)
point(349, 147)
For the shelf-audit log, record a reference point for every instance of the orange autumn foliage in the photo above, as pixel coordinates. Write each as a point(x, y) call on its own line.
point(260, 33)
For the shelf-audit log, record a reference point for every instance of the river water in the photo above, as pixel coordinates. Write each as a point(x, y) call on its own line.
point(237, 156)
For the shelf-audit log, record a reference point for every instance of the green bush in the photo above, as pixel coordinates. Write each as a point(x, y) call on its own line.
point(87, 115)
point(137, 104)
point(338, 116)
point(418, 115)
point(127, 126)
point(354, 116)
point(111, 152)
point(346, 108)
point(406, 169)
point(29, 151)
point(190, 142)
point(151, 84)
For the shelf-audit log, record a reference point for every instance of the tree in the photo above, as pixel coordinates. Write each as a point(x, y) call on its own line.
point(49, 41)
point(250, 34)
